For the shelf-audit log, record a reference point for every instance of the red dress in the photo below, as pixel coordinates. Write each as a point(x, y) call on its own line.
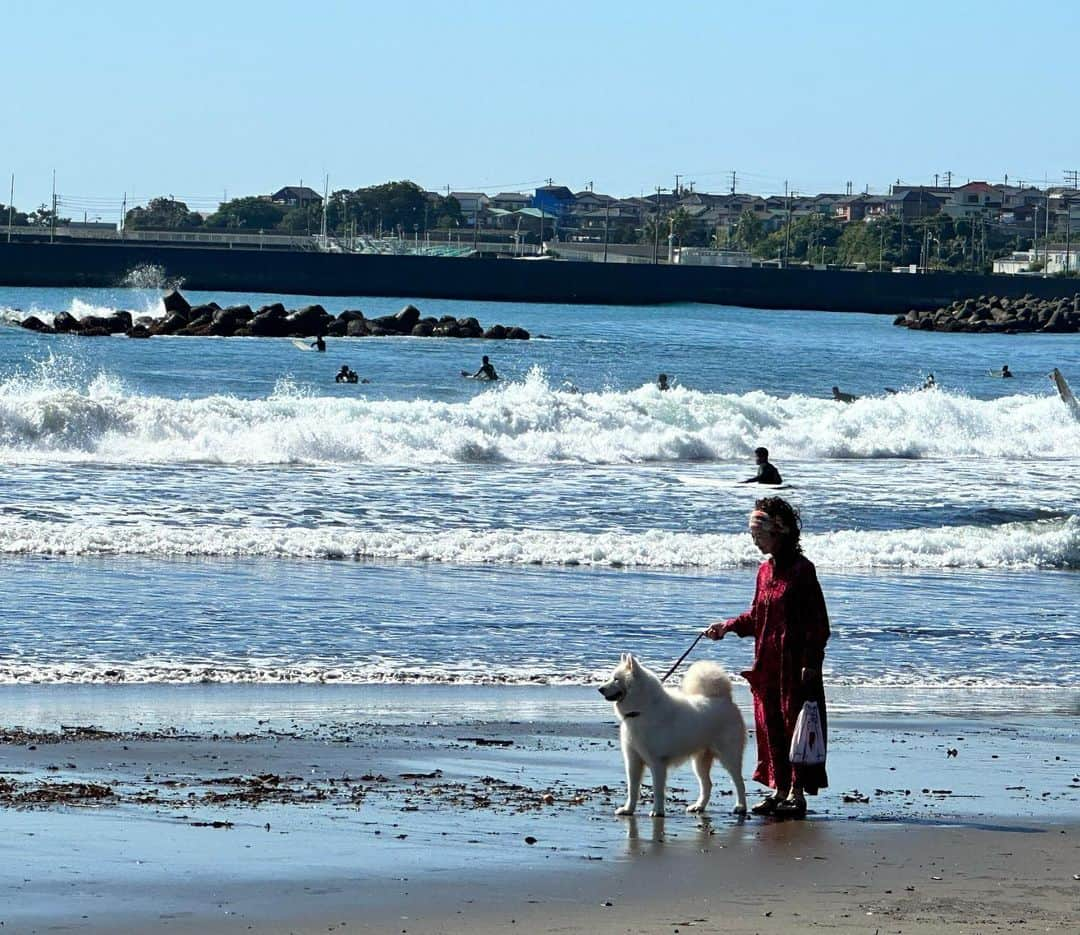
point(790, 626)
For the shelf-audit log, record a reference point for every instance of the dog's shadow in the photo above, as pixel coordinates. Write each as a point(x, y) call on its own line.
point(654, 833)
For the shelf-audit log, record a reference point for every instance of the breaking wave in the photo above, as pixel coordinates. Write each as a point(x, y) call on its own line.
point(1048, 543)
point(54, 412)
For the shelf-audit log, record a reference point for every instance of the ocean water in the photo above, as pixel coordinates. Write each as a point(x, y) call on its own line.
point(203, 510)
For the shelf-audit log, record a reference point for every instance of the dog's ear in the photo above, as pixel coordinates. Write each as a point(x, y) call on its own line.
point(631, 662)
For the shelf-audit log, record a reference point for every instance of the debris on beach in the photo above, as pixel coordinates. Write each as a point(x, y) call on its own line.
point(486, 741)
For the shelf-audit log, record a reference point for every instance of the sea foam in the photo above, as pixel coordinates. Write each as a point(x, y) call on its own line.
point(79, 417)
point(1049, 543)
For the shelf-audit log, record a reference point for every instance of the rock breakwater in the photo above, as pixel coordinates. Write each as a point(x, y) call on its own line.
point(270, 321)
point(996, 315)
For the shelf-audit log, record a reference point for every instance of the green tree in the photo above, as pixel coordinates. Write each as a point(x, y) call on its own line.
point(18, 218)
point(250, 213)
point(749, 231)
point(680, 224)
point(42, 216)
point(162, 214)
point(302, 219)
point(805, 239)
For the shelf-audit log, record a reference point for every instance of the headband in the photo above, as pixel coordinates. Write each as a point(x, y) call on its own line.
point(759, 519)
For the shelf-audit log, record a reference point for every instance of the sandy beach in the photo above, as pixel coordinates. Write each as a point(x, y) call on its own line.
point(436, 820)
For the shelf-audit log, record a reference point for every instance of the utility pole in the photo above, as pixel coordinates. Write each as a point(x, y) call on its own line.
point(948, 178)
point(787, 226)
point(677, 190)
point(325, 200)
point(1046, 242)
point(935, 180)
point(849, 188)
point(656, 228)
point(52, 232)
point(1072, 178)
point(607, 215)
point(1068, 236)
point(10, 207)
point(1035, 237)
point(123, 214)
point(732, 181)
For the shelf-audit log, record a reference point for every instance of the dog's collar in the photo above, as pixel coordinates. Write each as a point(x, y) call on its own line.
point(630, 714)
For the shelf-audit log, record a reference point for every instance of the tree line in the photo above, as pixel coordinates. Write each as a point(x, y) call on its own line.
point(935, 242)
point(392, 208)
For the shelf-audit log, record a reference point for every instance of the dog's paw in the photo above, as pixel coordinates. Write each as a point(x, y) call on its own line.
point(739, 809)
point(657, 813)
point(696, 807)
point(624, 810)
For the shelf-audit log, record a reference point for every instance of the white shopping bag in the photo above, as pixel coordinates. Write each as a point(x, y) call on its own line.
point(808, 743)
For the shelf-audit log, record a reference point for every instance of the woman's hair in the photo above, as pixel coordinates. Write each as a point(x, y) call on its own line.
point(788, 516)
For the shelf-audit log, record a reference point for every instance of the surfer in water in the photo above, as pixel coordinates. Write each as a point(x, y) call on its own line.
point(346, 375)
point(662, 382)
point(486, 371)
point(929, 383)
point(1006, 373)
point(843, 397)
point(766, 473)
point(319, 344)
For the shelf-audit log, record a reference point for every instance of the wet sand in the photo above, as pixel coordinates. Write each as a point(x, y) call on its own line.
point(444, 822)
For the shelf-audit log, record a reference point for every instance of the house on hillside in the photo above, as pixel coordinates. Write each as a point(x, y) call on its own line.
point(471, 203)
point(511, 201)
point(295, 196)
point(913, 204)
point(975, 199)
point(553, 200)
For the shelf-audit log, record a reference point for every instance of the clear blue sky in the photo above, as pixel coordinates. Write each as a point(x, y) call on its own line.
point(198, 98)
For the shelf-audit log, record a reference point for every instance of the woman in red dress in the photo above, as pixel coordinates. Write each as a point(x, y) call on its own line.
point(790, 626)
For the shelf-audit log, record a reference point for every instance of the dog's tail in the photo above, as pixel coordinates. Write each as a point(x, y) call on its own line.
point(708, 679)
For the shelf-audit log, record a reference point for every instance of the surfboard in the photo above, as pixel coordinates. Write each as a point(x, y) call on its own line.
point(473, 376)
point(998, 373)
point(302, 345)
point(1065, 392)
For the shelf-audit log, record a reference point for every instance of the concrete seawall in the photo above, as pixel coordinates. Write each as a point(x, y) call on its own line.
point(305, 273)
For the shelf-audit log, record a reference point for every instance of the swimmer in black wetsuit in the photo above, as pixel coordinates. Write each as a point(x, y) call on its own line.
point(319, 344)
point(843, 397)
point(346, 375)
point(1006, 373)
point(486, 371)
point(766, 473)
point(662, 382)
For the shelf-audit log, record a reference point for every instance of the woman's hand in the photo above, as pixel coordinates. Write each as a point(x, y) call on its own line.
point(715, 631)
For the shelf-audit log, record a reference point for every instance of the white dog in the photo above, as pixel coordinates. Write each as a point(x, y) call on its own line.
point(663, 727)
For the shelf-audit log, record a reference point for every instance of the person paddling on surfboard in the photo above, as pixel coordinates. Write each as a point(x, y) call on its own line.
point(766, 473)
point(319, 344)
point(843, 397)
point(486, 371)
point(346, 375)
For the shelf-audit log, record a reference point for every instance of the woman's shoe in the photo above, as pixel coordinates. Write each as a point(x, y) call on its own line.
point(790, 808)
point(767, 806)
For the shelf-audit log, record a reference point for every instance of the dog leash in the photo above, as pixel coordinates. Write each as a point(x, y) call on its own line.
point(678, 661)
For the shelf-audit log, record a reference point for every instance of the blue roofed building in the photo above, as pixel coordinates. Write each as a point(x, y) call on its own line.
point(554, 200)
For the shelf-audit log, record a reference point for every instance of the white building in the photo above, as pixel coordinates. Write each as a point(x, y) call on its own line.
point(699, 256)
point(1056, 259)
